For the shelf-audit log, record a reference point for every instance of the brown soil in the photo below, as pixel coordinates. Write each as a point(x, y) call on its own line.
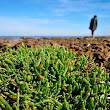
point(98, 48)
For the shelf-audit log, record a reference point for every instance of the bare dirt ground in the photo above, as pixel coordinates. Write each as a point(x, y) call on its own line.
point(98, 48)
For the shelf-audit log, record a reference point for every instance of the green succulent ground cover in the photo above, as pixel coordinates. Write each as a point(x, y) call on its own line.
point(51, 78)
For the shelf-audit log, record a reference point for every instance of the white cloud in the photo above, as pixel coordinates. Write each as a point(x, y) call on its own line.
point(61, 8)
point(92, 7)
point(48, 27)
point(65, 1)
point(32, 26)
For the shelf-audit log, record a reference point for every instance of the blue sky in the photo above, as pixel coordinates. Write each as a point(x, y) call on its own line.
point(53, 17)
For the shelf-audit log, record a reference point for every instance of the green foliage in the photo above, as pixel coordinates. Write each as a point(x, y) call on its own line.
point(51, 78)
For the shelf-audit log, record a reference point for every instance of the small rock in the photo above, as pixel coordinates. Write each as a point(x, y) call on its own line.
point(107, 65)
point(1, 44)
point(108, 45)
point(98, 58)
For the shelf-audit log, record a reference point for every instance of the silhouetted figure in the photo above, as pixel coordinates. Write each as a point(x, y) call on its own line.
point(93, 25)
